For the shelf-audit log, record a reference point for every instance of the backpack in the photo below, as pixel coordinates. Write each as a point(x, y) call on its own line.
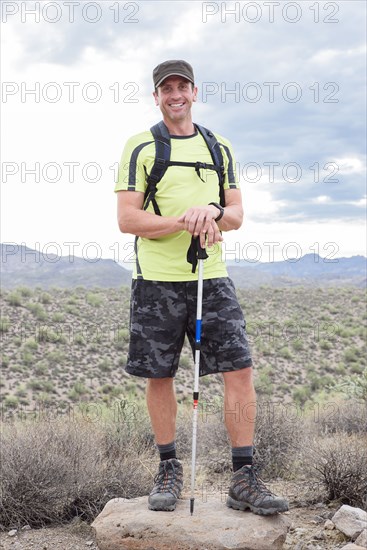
point(163, 161)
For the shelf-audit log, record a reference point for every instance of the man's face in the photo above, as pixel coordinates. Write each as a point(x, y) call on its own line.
point(175, 97)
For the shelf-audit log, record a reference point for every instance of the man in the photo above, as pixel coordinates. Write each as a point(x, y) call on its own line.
point(163, 300)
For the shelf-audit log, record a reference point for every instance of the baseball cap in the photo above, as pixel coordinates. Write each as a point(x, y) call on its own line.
point(173, 67)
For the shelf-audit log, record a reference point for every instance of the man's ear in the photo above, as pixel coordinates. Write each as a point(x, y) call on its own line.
point(195, 91)
point(155, 95)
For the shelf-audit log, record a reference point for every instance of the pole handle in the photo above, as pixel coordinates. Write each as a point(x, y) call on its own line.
point(195, 252)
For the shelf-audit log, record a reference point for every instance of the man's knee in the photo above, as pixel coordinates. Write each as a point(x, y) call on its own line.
point(160, 383)
point(239, 378)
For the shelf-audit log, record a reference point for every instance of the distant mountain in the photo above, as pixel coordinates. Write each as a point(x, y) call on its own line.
point(26, 267)
point(310, 269)
point(22, 266)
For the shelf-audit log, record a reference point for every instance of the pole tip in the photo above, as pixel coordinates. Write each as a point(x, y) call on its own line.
point(192, 505)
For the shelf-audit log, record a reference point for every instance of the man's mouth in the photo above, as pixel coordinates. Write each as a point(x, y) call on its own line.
point(176, 104)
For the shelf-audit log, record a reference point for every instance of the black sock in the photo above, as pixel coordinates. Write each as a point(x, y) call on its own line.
point(167, 451)
point(241, 456)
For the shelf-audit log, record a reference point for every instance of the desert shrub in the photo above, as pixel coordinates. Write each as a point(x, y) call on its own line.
point(38, 310)
point(35, 384)
point(302, 394)
point(122, 338)
point(339, 464)
point(45, 298)
point(55, 357)
point(354, 386)
point(285, 353)
point(338, 416)
point(277, 436)
point(58, 317)
point(78, 389)
point(54, 471)
point(352, 354)
point(94, 300)
point(105, 365)
point(79, 339)
point(27, 357)
point(14, 299)
point(11, 402)
point(30, 344)
point(41, 368)
point(4, 324)
point(25, 291)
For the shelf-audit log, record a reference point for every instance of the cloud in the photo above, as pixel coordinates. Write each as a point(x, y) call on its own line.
point(282, 92)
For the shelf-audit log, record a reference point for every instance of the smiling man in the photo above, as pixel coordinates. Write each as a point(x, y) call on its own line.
point(177, 181)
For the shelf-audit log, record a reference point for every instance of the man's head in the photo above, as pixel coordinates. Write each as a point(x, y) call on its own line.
point(173, 67)
point(175, 91)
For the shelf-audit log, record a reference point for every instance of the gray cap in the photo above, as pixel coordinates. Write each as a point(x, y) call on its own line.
point(173, 67)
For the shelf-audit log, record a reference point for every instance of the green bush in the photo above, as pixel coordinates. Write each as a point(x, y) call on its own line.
point(94, 300)
point(58, 317)
point(41, 368)
point(11, 402)
point(30, 344)
point(25, 291)
point(4, 324)
point(14, 299)
point(285, 353)
point(38, 311)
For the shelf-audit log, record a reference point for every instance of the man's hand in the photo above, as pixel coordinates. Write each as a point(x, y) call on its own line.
point(199, 221)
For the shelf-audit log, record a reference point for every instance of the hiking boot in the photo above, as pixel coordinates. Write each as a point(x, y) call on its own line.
point(168, 484)
point(248, 491)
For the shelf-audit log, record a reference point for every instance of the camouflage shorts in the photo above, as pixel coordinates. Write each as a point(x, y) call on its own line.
point(161, 313)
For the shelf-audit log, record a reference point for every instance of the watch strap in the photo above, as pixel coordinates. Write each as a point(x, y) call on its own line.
point(221, 211)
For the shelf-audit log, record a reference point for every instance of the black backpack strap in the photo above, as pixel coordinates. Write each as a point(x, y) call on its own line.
point(162, 157)
point(217, 156)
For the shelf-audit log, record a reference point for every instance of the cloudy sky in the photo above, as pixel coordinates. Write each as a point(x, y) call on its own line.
point(284, 81)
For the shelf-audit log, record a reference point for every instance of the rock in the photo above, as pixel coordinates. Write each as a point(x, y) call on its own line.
point(350, 521)
point(26, 528)
point(362, 539)
point(300, 531)
point(352, 546)
point(329, 525)
point(318, 519)
point(12, 532)
point(213, 526)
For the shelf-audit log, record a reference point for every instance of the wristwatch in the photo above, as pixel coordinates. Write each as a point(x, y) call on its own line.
point(221, 211)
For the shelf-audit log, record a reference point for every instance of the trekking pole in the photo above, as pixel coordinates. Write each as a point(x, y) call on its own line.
point(196, 255)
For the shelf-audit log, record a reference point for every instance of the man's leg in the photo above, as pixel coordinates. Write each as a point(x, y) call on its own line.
point(162, 407)
point(246, 489)
point(239, 406)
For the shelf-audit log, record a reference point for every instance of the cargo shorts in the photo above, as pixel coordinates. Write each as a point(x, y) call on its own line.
point(161, 313)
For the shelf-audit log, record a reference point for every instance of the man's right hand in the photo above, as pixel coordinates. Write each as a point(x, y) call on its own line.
point(199, 222)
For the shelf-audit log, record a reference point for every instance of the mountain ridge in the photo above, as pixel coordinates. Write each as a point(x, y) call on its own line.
point(23, 266)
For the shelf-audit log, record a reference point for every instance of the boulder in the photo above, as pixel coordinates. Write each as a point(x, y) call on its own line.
point(352, 546)
point(125, 524)
point(350, 521)
point(362, 539)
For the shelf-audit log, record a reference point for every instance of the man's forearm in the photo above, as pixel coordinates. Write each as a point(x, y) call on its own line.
point(232, 218)
point(149, 225)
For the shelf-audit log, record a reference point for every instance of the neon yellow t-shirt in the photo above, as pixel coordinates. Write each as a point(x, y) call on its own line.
point(164, 258)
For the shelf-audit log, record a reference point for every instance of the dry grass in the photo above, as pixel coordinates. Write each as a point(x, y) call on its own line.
point(52, 472)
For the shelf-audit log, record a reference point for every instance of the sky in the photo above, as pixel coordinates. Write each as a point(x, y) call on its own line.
point(283, 81)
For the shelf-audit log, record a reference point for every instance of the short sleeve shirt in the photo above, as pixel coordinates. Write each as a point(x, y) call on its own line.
point(164, 258)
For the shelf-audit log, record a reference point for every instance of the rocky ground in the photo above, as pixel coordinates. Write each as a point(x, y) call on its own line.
point(307, 530)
